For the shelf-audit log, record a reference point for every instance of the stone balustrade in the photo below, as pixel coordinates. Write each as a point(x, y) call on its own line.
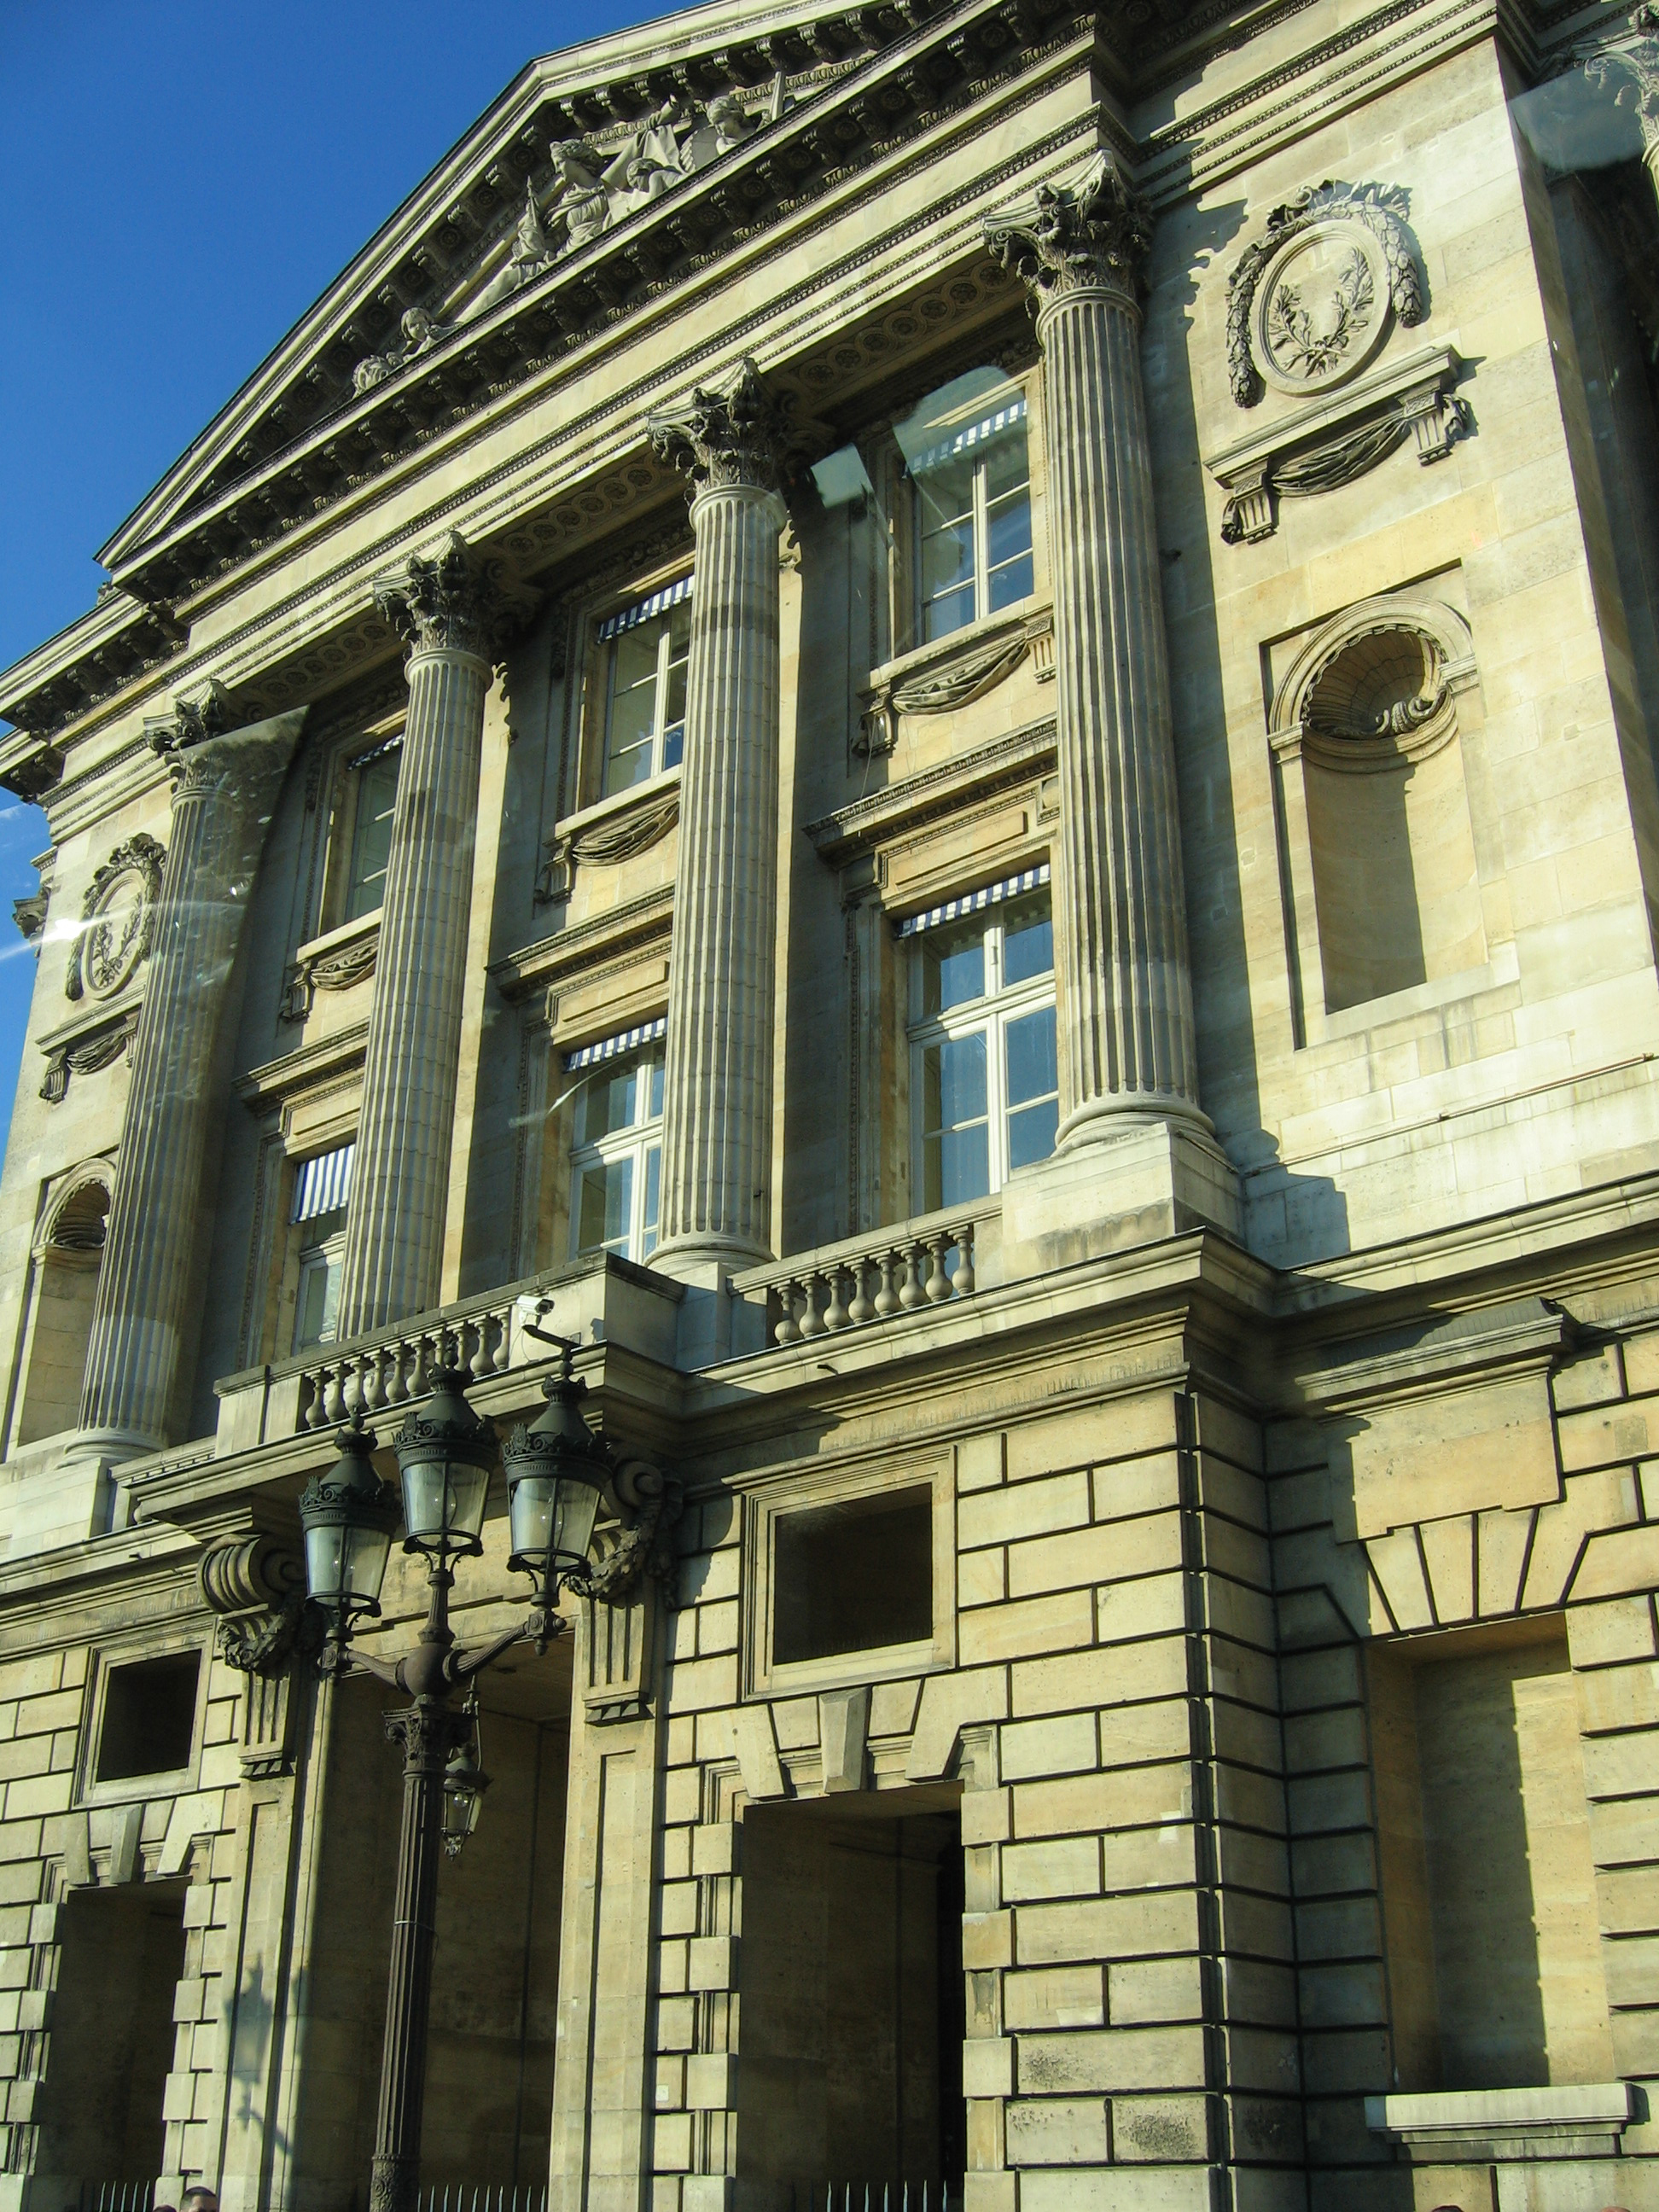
point(878, 1278)
point(394, 1365)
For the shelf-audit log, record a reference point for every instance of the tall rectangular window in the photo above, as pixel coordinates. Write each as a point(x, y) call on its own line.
point(965, 449)
point(373, 800)
point(322, 1186)
point(616, 1161)
point(647, 649)
point(985, 1085)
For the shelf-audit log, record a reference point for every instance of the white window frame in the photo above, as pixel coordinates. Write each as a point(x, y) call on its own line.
point(982, 520)
point(635, 1144)
point(991, 1015)
point(660, 725)
point(326, 1258)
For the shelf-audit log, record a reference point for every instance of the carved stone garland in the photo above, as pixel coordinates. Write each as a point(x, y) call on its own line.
point(1331, 335)
point(118, 918)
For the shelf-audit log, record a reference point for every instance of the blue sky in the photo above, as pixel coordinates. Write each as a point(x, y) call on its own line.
point(183, 178)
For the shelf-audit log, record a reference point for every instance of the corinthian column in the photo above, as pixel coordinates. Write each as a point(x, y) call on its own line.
point(145, 1316)
point(1129, 1047)
point(717, 1092)
point(452, 610)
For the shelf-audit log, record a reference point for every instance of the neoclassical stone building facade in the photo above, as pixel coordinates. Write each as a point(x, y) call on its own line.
point(936, 722)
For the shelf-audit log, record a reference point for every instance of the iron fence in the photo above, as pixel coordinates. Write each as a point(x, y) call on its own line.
point(473, 2196)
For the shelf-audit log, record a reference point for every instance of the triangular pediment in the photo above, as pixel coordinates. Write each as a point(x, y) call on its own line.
point(600, 173)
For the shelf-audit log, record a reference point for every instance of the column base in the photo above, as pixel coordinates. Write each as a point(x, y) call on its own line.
point(713, 1323)
point(1133, 1179)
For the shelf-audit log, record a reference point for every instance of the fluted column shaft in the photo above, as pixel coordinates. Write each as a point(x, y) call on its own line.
point(144, 1317)
point(449, 609)
point(1129, 1043)
point(1128, 986)
point(400, 1177)
point(717, 1087)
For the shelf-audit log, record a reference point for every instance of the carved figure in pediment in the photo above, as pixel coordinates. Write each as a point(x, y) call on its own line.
point(532, 252)
point(583, 201)
point(420, 334)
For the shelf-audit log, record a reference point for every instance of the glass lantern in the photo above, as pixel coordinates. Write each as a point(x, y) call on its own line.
point(556, 1474)
point(464, 1784)
point(350, 1517)
point(444, 1454)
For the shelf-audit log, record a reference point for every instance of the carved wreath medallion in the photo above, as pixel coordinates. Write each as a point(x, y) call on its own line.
point(1311, 305)
point(117, 920)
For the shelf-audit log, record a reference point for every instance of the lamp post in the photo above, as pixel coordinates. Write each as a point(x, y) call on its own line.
point(557, 1470)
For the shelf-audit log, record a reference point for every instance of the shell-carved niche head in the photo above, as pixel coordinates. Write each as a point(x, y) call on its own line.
point(117, 920)
point(1378, 680)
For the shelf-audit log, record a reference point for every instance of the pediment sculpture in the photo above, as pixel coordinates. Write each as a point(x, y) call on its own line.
point(594, 190)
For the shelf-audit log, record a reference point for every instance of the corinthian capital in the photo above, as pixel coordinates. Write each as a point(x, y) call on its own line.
point(453, 602)
point(1092, 235)
point(732, 435)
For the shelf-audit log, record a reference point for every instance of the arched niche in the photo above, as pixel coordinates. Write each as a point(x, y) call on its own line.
point(1367, 732)
point(68, 1251)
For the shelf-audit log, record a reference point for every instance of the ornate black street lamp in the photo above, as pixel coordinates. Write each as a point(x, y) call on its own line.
point(557, 1472)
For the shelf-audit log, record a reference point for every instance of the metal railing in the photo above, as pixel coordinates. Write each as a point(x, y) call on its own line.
point(869, 1280)
point(483, 2197)
point(880, 2196)
point(118, 2195)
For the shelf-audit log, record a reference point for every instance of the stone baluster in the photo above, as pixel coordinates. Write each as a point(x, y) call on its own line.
point(146, 1315)
point(454, 610)
point(1128, 1043)
point(717, 1090)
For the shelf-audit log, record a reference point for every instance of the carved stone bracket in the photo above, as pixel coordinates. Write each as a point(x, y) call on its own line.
point(605, 844)
point(939, 682)
point(82, 1048)
point(331, 968)
point(648, 1503)
point(257, 1587)
point(30, 914)
point(1325, 446)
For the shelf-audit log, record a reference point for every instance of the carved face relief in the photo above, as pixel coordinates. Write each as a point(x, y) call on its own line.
point(1322, 309)
point(117, 920)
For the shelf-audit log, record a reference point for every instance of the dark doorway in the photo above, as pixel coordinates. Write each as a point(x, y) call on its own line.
point(112, 2038)
point(850, 2068)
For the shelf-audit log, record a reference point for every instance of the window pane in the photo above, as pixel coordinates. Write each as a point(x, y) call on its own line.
point(1031, 1134)
point(1031, 1070)
point(607, 1103)
point(952, 966)
point(945, 496)
point(652, 1199)
point(1013, 583)
point(318, 1304)
point(955, 1167)
point(371, 835)
point(653, 1112)
point(956, 1148)
point(631, 708)
point(952, 612)
point(603, 1197)
point(1006, 466)
point(1028, 940)
point(1033, 1084)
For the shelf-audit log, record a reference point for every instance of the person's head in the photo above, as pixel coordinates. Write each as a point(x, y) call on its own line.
point(201, 2198)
